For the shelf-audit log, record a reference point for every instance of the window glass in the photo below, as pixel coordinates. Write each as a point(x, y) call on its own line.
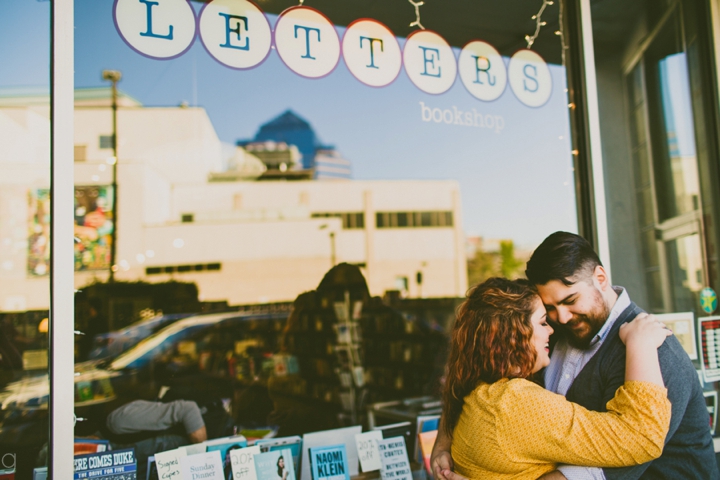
point(24, 235)
point(210, 185)
point(671, 119)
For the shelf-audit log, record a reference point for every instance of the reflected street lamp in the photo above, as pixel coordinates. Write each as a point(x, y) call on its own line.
point(113, 76)
point(332, 243)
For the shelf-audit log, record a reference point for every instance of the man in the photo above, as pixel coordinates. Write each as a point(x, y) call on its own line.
point(151, 427)
point(588, 364)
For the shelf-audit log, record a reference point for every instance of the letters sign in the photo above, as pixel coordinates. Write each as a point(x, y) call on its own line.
point(482, 71)
point(371, 52)
point(429, 62)
point(161, 29)
point(235, 32)
point(307, 42)
point(530, 78)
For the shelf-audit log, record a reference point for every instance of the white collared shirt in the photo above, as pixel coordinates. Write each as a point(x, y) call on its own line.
point(567, 362)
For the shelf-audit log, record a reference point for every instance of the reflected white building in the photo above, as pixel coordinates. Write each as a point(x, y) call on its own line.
point(182, 215)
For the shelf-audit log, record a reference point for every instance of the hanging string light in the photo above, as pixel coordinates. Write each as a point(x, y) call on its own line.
point(561, 33)
point(417, 6)
point(539, 23)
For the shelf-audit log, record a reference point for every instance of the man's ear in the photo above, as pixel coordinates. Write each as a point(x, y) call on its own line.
point(601, 277)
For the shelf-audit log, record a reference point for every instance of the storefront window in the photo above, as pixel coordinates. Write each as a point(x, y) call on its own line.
point(277, 211)
point(663, 146)
point(671, 122)
point(24, 235)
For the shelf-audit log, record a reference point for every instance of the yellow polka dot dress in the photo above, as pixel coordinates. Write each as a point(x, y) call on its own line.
point(515, 429)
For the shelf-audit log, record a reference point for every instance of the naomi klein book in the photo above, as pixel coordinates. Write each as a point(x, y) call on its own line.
point(329, 463)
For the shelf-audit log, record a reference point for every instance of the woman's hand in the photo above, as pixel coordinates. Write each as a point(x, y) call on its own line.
point(644, 331)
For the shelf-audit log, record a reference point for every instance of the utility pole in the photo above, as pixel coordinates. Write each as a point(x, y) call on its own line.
point(332, 248)
point(114, 76)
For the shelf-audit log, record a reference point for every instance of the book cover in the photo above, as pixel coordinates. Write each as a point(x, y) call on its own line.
point(394, 457)
point(40, 473)
point(426, 440)
point(275, 465)
point(225, 446)
point(294, 444)
point(337, 436)
point(329, 463)
point(112, 465)
point(152, 471)
point(425, 423)
point(401, 429)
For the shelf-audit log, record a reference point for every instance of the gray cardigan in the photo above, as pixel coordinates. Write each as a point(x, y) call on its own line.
point(688, 451)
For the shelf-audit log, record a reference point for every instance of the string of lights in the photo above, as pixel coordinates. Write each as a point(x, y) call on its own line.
point(417, 6)
point(561, 33)
point(539, 23)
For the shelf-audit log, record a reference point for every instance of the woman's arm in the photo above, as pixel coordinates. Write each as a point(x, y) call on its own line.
point(642, 337)
point(633, 429)
point(538, 425)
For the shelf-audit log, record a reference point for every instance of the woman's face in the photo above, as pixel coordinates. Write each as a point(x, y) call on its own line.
point(541, 336)
point(281, 462)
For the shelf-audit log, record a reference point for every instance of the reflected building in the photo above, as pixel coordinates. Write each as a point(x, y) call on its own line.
point(191, 211)
point(321, 162)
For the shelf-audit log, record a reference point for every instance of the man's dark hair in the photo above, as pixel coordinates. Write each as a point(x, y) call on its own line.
point(561, 256)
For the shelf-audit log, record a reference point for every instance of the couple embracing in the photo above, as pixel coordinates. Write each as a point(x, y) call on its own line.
point(621, 398)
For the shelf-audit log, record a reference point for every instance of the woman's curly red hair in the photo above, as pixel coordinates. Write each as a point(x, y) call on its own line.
point(491, 340)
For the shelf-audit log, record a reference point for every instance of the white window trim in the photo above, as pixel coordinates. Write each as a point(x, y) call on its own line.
point(62, 272)
point(596, 158)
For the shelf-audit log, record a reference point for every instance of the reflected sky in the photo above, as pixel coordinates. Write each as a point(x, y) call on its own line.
point(516, 183)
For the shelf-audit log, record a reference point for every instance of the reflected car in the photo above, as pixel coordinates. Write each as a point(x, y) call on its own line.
point(112, 344)
point(197, 350)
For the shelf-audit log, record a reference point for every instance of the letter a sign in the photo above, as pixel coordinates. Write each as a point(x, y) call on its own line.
point(161, 29)
point(307, 42)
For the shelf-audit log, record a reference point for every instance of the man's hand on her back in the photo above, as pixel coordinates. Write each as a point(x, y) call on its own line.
point(442, 465)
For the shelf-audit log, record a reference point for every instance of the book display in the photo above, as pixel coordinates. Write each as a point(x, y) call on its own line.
point(352, 350)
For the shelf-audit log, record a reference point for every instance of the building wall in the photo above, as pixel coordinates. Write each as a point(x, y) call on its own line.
point(625, 253)
point(263, 234)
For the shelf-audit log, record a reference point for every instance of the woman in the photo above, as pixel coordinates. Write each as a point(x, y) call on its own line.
point(282, 472)
point(505, 426)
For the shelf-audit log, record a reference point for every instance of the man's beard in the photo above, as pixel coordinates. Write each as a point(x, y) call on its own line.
point(583, 327)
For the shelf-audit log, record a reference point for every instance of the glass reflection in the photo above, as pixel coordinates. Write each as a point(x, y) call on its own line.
point(24, 235)
point(685, 265)
point(679, 134)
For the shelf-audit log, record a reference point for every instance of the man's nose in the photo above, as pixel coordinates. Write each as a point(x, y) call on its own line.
point(563, 316)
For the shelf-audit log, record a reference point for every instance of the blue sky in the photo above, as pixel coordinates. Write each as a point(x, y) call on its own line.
point(515, 184)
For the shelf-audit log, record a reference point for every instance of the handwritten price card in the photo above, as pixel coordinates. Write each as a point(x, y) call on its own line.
point(368, 453)
point(243, 463)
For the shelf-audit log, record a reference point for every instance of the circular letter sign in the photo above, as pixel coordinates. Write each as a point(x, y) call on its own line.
point(429, 62)
point(159, 29)
point(371, 52)
point(307, 42)
point(530, 78)
point(235, 32)
point(482, 71)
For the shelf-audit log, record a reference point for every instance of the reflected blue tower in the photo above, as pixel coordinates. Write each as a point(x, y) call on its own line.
point(324, 160)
